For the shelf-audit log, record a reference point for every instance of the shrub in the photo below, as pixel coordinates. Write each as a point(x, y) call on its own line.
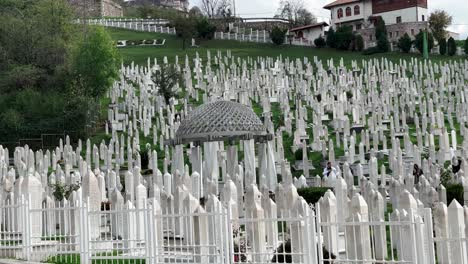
point(312, 194)
point(404, 43)
point(359, 43)
point(320, 42)
point(466, 46)
point(331, 38)
point(277, 36)
point(419, 41)
point(371, 50)
point(451, 47)
point(344, 37)
point(205, 29)
point(381, 35)
point(443, 46)
point(455, 191)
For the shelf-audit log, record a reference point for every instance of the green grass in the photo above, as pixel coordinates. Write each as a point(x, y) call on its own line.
point(173, 47)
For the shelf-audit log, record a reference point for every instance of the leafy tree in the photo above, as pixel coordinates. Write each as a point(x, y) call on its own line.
point(344, 37)
point(216, 8)
point(451, 47)
point(185, 29)
point(359, 43)
point(205, 29)
point(442, 46)
point(165, 79)
point(419, 41)
point(381, 35)
point(331, 38)
point(320, 42)
point(405, 43)
point(96, 49)
point(195, 12)
point(466, 46)
point(295, 10)
point(277, 35)
point(439, 20)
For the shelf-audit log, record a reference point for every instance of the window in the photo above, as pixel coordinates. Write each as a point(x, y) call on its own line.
point(423, 18)
point(390, 34)
point(398, 19)
point(412, 31)
point(358, 26)
point(348, 11)
point(397, 33)
point(357, 10)
point(340, 13)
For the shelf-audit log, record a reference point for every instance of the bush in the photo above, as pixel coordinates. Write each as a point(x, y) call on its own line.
point(372, 50)
point(404, 43)
point(331, 38)
point(443, 46)
point(312, 194)
point(419, 41)
point(466, 46)
point(381, 35)
point(451, 47)
point(344, 37)
point(205, 29)
point(359, 43)
point(455, 191)
point(277, 35)
point(320, 42)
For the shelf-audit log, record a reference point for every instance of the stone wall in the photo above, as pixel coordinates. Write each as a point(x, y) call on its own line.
point(96, 8)
point(110, 8)
point(394, 31)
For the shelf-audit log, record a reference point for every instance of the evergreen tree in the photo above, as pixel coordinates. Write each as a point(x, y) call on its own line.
point(451, 47)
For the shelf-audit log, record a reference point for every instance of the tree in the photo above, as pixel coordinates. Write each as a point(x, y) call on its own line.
point(277, 35)
point(404, 43)
point(165, 79)
point(331, 38)
point(97, 49)
point(466, 46)
point(381, 35)
point(216, 8)
point(295, 11)
point(195, 12)
point(439, 20)
point(419, 41)
point(442, 46)
point(359, 43)
point(205, 29)
point(320, 42)
point(185, 29)
point(344, 37)
point(451, 47)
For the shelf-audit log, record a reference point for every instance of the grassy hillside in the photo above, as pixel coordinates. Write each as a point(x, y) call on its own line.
point(173, 47)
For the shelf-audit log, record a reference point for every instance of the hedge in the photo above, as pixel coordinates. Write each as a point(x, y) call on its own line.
point(312, 194)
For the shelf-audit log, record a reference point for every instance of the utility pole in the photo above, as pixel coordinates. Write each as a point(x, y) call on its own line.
point(234, 7)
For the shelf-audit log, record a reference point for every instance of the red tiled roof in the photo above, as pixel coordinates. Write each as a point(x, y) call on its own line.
point(340, 2)
point(309, 26)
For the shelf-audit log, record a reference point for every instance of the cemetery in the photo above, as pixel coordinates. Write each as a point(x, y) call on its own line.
point(214, 176)
point(229, 150)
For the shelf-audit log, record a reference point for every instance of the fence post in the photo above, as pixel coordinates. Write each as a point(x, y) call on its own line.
point(230, 240)
point(84, 241)
point(429, 236)
point(26, 236)
point(319, 233)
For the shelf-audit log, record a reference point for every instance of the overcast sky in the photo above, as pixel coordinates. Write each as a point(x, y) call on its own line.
point(267, 8)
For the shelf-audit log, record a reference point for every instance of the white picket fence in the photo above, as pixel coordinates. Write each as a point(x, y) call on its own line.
point(72, 233)
point(258, 36)
point(146, 25)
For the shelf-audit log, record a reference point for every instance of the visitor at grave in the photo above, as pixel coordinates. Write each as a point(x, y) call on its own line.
point(330, 171)
point(417, 172)
point(456, 165)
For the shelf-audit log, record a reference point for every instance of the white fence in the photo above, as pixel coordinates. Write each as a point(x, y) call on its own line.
point(72, 233)
point(262, 36)
point(146, 25)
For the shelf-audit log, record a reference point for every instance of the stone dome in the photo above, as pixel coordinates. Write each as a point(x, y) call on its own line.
point(219, 120)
